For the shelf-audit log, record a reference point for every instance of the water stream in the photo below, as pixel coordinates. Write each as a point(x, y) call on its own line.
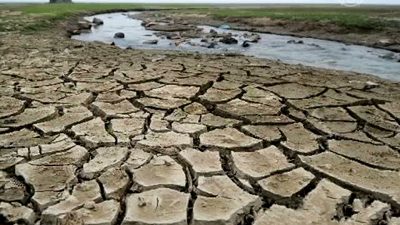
point(312, 52)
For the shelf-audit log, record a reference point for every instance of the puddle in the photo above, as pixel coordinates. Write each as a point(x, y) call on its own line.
point(313, 52)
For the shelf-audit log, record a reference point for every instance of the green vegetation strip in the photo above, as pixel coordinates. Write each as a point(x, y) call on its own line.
point(365, 18)
point(45, 15)
point(362, 18)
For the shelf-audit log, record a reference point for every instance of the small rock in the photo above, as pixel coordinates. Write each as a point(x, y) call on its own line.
point(228, 40)
point(84, 25)
point(150, 42)
point(389, 56)
point(119, 35)
point(89, 205)
point(245, 44)
point(212, 45)
point(254, 38)
point(385, 42)
point(295, 42)
point(370, 85)
point(97, 21)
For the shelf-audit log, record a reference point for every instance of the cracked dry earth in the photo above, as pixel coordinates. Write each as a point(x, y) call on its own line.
point(92, 134)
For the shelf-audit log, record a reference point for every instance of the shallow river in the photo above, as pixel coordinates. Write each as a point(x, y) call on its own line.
point(313, 52)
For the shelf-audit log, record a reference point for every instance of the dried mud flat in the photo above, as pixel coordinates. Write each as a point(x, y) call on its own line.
point(93, 134)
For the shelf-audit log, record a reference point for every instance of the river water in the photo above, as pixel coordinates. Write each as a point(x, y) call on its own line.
point(313, 52)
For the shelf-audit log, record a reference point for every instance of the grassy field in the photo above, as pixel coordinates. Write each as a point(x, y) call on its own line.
point(366, 17)
point(45, 15)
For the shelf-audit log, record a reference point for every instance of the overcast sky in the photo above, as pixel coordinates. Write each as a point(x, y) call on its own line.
point(397, 2)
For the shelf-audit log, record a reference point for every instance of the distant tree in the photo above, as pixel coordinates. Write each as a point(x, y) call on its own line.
point(60, 1)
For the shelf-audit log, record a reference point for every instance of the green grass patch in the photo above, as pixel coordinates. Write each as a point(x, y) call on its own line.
point(364, 18)
point(46, 15)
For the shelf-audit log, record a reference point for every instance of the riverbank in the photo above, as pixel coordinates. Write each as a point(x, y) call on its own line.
point(373, 27)
point(163, 34)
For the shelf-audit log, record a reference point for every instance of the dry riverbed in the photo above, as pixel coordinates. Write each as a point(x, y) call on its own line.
point(94, 134)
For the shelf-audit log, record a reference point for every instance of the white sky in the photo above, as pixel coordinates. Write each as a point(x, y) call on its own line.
point(396, 2)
